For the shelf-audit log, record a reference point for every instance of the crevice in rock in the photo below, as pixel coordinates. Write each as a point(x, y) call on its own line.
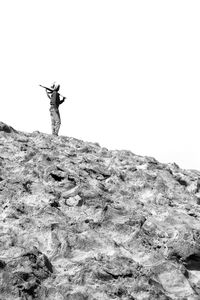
point(59, 169)
point(31, 291)
point(54, 203)
point(122, 176)
point(71, 179)
point(182, 182)
point(120, 292)
point(192, 262)
point(110, 276)
point(2, 264)
point(57, 177)
point(27, 186)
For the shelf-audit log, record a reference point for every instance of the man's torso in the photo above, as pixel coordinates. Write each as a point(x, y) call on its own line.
point(55, 100)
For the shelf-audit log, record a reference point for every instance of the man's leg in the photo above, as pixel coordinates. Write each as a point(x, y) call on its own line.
point(57, 122)
point(57, 127)
point(52, 121)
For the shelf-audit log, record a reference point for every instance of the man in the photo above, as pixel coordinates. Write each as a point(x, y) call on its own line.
point(54, 96)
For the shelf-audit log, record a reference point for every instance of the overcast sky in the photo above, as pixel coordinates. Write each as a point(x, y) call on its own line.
point(130, 71)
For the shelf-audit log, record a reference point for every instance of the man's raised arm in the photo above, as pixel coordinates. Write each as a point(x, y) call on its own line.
point(48, 93)
point(61, 101)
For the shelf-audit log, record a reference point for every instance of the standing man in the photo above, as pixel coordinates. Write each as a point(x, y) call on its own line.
point(55, 101)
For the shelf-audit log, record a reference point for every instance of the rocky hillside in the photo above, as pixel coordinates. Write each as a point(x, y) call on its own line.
point(80, 222)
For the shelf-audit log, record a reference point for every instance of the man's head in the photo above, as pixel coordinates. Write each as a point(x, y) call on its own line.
point(55, 86)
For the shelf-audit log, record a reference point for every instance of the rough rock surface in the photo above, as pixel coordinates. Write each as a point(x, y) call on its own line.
point(79, 222)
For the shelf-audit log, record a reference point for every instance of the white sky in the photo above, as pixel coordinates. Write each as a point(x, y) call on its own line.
point(130, 70)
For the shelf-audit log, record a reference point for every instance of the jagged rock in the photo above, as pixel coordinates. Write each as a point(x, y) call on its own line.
point(6, 128)
point(81, 222)
point(22, 275)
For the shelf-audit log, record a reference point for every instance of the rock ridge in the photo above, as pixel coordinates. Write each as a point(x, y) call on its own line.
point(81, 222)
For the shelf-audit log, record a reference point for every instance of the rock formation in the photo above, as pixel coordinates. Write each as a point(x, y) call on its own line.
point(80, 222)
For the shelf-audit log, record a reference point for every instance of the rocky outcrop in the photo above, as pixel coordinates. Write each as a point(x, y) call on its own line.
point(81, 222)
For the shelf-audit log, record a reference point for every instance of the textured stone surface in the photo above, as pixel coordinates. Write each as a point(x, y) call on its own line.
point(80, 222)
